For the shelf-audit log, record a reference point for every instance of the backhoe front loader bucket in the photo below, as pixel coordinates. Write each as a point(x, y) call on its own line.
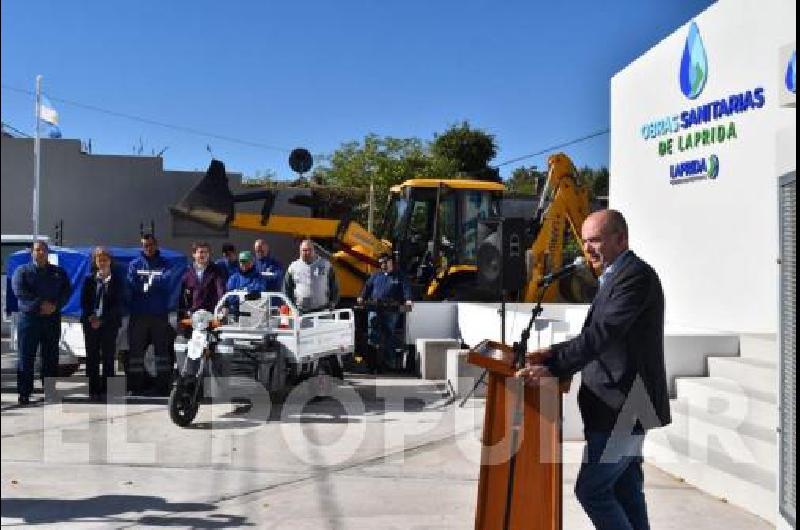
point(211, 201)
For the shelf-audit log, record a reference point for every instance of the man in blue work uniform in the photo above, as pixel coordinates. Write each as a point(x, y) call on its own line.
point(42, 290)
point(267, 266)
point(389, 288)
point(148, 280)
point(248, 279)
point(228, 263)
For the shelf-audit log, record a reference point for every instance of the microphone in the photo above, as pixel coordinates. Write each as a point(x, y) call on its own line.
point(579, 263)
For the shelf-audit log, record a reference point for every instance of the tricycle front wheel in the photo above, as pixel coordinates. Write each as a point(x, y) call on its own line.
point(183, 404)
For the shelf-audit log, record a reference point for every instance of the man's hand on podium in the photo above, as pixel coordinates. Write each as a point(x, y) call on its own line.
point(533, 374)
point(534, 369)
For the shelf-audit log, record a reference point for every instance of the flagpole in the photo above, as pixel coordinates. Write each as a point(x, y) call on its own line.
point(37, 158)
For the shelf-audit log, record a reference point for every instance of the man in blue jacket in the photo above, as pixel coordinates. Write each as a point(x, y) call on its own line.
point(269, 267)
point(248, 278)
point(149, 319)
point(389, 290)
point(42, 290)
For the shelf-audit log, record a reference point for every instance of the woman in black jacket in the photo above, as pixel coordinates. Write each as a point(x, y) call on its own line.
point(102, 307)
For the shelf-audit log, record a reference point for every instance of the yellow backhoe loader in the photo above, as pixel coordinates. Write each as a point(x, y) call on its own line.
point(430, 225)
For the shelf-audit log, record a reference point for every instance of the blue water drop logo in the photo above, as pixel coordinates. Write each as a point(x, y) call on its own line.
point(694, 64)
point(791, 74)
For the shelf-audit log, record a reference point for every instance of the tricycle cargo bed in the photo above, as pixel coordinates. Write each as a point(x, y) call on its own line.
point(305, 338)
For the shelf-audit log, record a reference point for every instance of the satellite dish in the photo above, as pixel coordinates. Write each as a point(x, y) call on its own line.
point(300, 160)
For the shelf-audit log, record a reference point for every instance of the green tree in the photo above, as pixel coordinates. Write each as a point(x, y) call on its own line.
point(382, 161)
point(467, 149)
point(600, 182)
point(526, 180)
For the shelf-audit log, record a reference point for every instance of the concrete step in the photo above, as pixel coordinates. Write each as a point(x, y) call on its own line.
point(750, 373)
point(708, 432)
point(727, 398)
point(746, 486)
point(761, 346)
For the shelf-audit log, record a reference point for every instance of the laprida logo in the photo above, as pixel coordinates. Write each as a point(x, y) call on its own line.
point(691, 170)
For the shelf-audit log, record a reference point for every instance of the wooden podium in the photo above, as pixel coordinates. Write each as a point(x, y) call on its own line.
point(536, 490)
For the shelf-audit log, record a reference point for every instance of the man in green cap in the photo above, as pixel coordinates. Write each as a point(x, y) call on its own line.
point(248, 278)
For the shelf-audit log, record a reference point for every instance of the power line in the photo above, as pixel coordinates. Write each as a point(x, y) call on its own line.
point(181, 128)
point(231, 139)
point(15, 130)
point(554, 147)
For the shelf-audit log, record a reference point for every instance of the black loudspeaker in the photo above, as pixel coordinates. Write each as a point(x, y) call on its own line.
point(501, 254)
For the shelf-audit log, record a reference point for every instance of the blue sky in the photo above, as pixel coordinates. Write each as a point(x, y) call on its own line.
point(316, 74)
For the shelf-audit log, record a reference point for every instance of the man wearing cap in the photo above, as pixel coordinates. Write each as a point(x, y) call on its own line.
point(248, 277)
point(310, 281)
point(389, 289)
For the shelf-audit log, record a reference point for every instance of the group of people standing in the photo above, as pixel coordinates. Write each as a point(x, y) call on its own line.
point(143, 292)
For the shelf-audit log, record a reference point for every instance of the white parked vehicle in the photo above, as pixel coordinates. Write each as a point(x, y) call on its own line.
point(256, 337)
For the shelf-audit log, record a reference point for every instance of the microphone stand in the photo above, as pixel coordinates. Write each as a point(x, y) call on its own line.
point(520, 348)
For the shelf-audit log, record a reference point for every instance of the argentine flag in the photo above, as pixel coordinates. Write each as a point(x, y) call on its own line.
point(49, 116)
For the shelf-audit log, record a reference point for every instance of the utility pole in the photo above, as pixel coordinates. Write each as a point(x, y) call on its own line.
point(371, 216)
point(37, 157)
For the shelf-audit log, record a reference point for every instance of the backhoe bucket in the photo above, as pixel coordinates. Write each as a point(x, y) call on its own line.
point(211, 201)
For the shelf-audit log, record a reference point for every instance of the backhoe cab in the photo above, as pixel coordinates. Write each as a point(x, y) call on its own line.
point(432, 227)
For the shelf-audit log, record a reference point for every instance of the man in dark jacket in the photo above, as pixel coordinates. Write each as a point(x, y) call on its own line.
point(388, 289)
point(623, 393)
point(228, 263)
point(42, 290)
point(149, 319)
point(202, 286)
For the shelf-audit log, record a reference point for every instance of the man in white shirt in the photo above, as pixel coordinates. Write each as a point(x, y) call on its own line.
point(310, 281)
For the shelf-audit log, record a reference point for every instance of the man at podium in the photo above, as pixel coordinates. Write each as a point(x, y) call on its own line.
point(620, 354)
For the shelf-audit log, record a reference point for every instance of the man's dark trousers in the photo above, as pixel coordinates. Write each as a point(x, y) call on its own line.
point(382, 325)
point(610, 484)
point(34, 331)
point(144, 330)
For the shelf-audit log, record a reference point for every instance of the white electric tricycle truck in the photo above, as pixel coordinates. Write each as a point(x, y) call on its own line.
point(256, 337)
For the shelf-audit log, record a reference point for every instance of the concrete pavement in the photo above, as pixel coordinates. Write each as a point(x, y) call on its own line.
point(391, 456)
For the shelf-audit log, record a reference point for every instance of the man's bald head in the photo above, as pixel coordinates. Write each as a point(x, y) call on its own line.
point(307, 253)
point(260, 248)
point(611, 220)
point(605, 237)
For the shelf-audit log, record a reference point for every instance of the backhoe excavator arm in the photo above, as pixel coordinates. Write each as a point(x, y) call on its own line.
point(564, 204)
point(212, 204)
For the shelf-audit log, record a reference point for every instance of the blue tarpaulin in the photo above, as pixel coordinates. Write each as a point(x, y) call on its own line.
point(78, 263)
